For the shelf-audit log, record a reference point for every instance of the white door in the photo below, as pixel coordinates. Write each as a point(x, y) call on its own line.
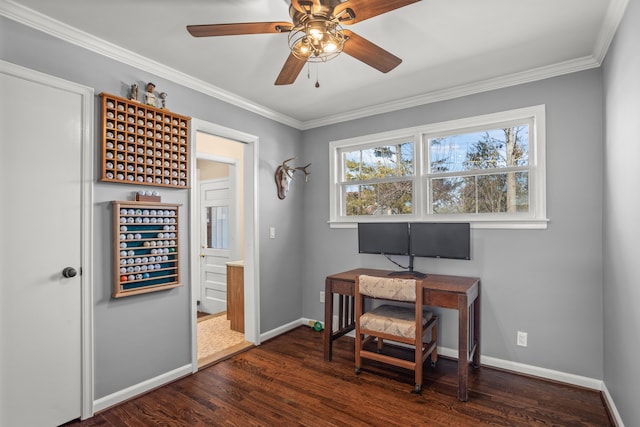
point(218, 242)
point(40, 235)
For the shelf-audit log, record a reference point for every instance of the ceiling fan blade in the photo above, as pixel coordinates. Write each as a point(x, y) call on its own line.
point(352, 11)
point(369, 53)
point(239, 29)
point(290, 70)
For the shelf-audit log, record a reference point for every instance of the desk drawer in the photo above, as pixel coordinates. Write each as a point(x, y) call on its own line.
point(342, 287)
point(440, 299)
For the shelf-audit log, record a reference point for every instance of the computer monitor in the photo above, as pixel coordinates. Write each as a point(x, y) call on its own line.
point(440, 240)
point(385, 238)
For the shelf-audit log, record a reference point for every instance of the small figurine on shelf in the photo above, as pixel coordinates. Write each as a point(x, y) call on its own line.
point(150, 97)
point(134, 92)
point(163, 97)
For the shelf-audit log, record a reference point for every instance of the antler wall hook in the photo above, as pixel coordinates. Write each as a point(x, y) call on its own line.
point(284, 175)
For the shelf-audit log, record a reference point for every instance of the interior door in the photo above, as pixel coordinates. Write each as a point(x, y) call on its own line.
point(218, 242)
point(40, 236)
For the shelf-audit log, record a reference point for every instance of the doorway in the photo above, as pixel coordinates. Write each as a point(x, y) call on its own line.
point(223, 232)
point(221, 221)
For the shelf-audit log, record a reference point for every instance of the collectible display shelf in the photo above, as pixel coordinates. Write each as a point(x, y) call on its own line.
point(146, 247)
point(142, 144)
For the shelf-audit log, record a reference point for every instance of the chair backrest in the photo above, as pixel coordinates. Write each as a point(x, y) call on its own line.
point(390, 288)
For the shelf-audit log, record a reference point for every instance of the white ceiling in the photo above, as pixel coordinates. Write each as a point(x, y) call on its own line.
point(449, 48)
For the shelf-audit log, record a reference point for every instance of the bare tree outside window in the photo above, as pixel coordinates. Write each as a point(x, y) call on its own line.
point(384, 177)
point(480, 172)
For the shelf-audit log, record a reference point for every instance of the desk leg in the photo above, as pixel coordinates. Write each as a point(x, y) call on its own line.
point(476, 331)
point(463, 348)
point(328, 320)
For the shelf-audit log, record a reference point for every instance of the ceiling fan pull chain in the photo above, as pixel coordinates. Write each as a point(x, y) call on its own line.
point(317, 78)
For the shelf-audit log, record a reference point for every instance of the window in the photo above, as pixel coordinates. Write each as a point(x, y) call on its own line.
point(378, 179)
point(218, 227)
point(482, 171)
point(487, 170)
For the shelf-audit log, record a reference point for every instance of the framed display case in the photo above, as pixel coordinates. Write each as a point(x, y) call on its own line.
point(142, 144)
point(146, 247)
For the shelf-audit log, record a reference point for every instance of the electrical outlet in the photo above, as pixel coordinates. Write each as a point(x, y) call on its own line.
point(321, 296)
point(272, 232)
point(522, 339)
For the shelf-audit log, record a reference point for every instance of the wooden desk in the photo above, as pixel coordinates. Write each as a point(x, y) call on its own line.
point(457, 292)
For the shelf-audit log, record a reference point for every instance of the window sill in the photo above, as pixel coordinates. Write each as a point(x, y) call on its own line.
point(498, 223)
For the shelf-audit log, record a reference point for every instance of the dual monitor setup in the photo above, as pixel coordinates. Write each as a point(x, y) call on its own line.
point(415, 239)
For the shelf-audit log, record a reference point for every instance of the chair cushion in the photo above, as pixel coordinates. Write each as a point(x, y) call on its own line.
point(393, 320)
point(388, 288)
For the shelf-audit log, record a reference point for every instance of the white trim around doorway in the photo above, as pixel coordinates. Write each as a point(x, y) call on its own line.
point(251, 238)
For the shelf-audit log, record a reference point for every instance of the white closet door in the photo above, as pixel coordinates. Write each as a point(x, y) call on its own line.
point(40, 235)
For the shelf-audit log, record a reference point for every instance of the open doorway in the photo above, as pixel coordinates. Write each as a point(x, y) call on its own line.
point(221, 220)
point(223, 240)
point(221, 303)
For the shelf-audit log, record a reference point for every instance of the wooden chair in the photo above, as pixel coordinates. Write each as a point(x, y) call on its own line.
point(396, 323)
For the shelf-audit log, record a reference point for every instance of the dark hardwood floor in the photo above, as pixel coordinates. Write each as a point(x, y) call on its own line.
point(286, 382)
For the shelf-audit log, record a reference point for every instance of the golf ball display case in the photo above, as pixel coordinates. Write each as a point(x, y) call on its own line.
point(142, 144)
point(146, 247)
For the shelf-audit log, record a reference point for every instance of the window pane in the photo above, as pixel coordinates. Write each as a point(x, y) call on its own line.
point(504, 192)
point(453, 195)
point(218, 227)
point(488, 149)
point(389, 198)
point(379, 162)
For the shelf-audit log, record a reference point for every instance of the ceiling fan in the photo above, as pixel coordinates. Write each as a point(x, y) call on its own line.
point(316, 33)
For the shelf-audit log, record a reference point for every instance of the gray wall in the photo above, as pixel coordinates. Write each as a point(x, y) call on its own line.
point(621, 225)
point(545, 282)
point(141, 337)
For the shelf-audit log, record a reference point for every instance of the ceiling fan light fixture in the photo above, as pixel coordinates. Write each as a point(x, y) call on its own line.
point(317, 40)
point(316, 35)
point(330, 47)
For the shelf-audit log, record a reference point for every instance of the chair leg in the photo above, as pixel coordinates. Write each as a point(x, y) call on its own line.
point(434, 338)
point(419, 359)
point(380, 343)
point(357, 353)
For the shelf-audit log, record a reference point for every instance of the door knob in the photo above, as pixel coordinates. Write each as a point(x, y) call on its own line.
point(69, 272)
point(202, 255)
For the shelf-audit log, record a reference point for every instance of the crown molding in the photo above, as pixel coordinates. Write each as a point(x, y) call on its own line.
point(31, 18)
point(55, 28)
point(528, 76)
point(612, 19)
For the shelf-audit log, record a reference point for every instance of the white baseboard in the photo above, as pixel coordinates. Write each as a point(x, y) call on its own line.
point(617, 419)
point(140, 388)
point(530, 370)
point(281, 329)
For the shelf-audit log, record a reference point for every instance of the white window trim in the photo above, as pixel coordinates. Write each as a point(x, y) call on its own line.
point(536, 219)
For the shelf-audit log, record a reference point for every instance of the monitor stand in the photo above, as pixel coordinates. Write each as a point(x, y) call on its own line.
point(411, 271)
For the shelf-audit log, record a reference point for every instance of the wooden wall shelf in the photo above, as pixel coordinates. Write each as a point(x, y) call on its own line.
point(146, 247)
point(142, 144)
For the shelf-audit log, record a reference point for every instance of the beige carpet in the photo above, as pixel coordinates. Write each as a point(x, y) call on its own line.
point(216, 340)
